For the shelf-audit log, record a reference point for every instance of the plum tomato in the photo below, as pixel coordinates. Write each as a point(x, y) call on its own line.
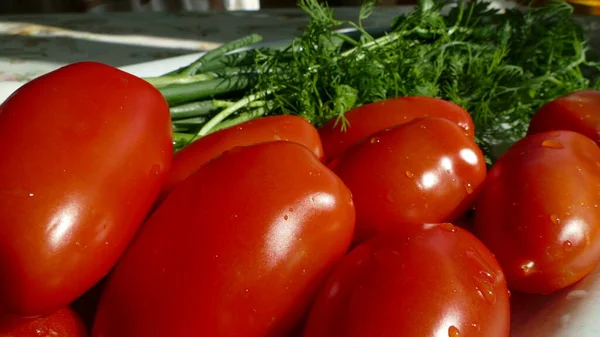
point(85, 151)
point(578, 111)
point(374, 117)
point(285, 127)
point(539, 211)
point(436, 280)
point(239, 249)
point(426, 170)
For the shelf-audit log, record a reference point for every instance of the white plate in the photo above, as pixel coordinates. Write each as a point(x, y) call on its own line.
point(574, 312)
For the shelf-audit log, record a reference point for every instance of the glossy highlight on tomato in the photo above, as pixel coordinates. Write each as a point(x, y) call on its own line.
point(62, 323)
point(435, 280)
point(426, 170)
point(232, 252)
point(578, 111)
point(370, 118)
point(271, 128)
point(85, 150)
point(539, 211)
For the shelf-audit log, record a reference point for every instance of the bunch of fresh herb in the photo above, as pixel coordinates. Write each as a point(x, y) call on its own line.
point(499, 66)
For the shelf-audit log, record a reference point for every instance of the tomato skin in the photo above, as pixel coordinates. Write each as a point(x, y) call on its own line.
point(261, 239)
point(272, 128)
point(370, 118)
point(426, 170)
point(62, 323)
point(538, 211)
point(578, 111)
point(85, 150)
point(437, 280)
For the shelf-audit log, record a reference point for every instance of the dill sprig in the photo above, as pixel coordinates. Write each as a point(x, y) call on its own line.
point(499, 66)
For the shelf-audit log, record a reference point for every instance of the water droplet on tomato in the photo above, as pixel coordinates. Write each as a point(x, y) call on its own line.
point(581, 203)
point(155, 170)
point(31, 194)
point(488, 276)
point(469, 188)
point(409, 174)
point(509, 293)
point(285, 217)
point(486, 269)
point(527, 267)
point(555, 219)
point(374, 140)
point(552, 144)
point(485, 280)
point(453, 331)
point(448, 227)
point(486, 291)
point(568, 246)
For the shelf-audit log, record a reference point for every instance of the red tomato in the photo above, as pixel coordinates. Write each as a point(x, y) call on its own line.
point(426, 170)
point(288, 128)
point(238, 250)
point(578, 111)
point(539, 211)
point(84, 155)
point(438, 280)
point(62, 323)
point(370, 118)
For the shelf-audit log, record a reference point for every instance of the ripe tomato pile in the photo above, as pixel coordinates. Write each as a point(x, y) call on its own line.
point(393, 226)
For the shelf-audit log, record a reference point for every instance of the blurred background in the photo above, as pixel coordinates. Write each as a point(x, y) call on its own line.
point(69, 6)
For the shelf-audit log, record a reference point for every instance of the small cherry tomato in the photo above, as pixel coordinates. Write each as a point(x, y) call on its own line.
point(539, 211)
point(426, 170)
point(62, 323)
point(288, 128)
point(578, 111)
point(438, 280)
point(370, 118)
